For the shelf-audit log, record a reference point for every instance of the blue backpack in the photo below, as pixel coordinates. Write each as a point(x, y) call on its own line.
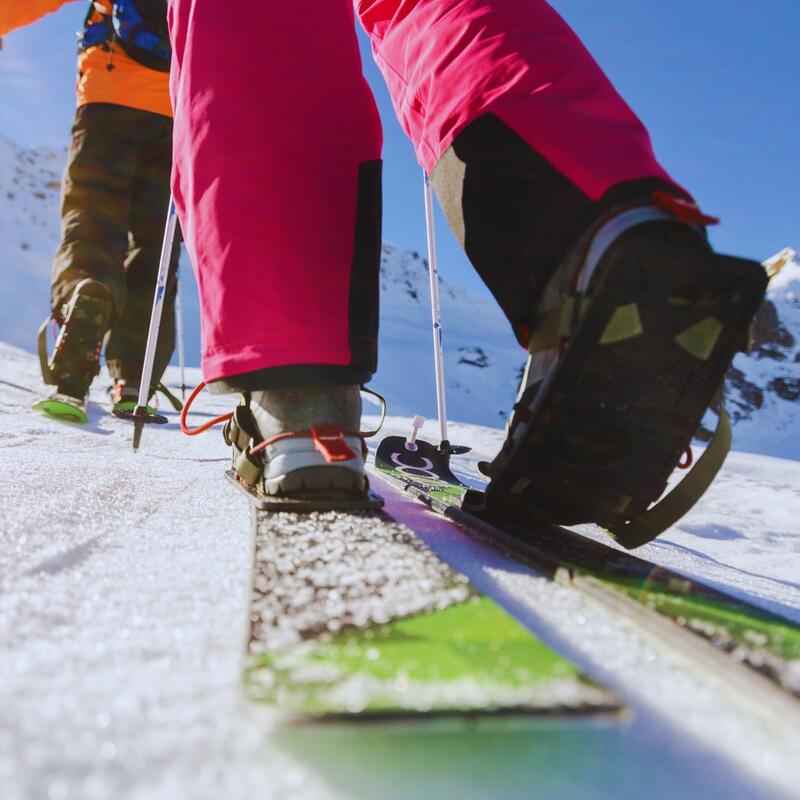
point(138, 26)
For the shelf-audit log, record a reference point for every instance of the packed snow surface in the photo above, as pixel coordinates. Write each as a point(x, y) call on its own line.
point(123, 619)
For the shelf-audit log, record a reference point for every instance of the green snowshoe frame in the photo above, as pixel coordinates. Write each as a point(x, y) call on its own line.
point(62, 410)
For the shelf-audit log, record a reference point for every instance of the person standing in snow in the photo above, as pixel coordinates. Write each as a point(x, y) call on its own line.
point(115, 195)
point(597, 257)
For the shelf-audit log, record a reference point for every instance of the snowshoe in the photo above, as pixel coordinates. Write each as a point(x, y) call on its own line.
point(629, 348)
point(124, 399)
point(314, 468)
point(75, 358)
point(64, 408)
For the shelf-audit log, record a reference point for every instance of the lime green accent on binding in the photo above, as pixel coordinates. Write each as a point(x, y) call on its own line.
point(700, 339)
point(678, 502)
point(58, 409)
point(438, 489)
point(625, 323)
point(557, 323)
point(469, 657)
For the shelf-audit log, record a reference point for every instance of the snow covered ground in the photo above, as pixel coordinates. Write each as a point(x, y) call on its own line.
point(123, 581)
point(123, 601)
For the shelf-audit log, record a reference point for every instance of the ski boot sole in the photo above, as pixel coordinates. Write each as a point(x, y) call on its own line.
point(598, 439)
point(312, 489)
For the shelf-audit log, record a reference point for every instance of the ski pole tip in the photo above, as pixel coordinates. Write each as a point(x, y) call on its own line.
point(137, 435)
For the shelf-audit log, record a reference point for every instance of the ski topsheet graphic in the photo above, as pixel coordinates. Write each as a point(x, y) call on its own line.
point(767, 643)
point(353, 617)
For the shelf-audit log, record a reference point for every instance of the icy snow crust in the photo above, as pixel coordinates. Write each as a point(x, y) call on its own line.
point(123, 620)
point(308, 583)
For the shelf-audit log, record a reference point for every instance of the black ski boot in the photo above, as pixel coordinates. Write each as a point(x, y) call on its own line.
point(630, 346)
point(75, 358)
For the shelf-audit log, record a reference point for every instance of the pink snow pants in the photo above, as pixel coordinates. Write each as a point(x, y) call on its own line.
point(274, 123)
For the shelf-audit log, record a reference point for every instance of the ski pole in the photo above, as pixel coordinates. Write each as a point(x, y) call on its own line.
point(181, 350)
point(436, 318)
point(436, 312)
point(140, 416)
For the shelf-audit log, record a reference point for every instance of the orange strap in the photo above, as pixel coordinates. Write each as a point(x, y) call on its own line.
point(328, 440)
point(206, 425)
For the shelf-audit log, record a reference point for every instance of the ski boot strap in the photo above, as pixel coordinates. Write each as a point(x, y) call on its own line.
point(680, 500)
point(44, 356)
point(328, 440)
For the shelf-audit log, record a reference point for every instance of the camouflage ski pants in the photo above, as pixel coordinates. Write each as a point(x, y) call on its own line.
point(114, 204)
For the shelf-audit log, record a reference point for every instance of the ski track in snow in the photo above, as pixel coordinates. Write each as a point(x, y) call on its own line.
point(123, 603)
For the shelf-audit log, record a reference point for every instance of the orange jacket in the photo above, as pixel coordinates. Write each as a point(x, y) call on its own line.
point(103, 76)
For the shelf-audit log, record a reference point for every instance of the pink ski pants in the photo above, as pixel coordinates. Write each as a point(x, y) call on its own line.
point(273, 120)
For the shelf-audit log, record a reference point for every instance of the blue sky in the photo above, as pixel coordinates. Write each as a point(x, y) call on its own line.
point(716, 82)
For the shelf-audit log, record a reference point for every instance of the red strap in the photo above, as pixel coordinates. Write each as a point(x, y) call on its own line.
point(206, 425)
point(329, 440)
point(683, 210)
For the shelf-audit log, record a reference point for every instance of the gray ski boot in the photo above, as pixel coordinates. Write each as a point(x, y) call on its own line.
point(300, 449)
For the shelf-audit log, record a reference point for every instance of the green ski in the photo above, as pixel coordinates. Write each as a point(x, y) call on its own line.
point(354, 618)
point(766, 643)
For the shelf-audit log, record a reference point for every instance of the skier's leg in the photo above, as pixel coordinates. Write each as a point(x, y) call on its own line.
point(150, 198)
point(96, 201)
point(277, 182)
point(88, 274)
point(523, 135)
point(597, 258)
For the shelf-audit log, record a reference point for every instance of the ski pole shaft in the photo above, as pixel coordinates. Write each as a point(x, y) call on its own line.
point(155, 320)
point(436, 311)
point(181, 350)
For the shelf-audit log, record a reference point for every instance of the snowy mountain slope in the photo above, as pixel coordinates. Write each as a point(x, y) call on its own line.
point(764, 386)
point(482, 360)
point(30, 183)
point(123, 614)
